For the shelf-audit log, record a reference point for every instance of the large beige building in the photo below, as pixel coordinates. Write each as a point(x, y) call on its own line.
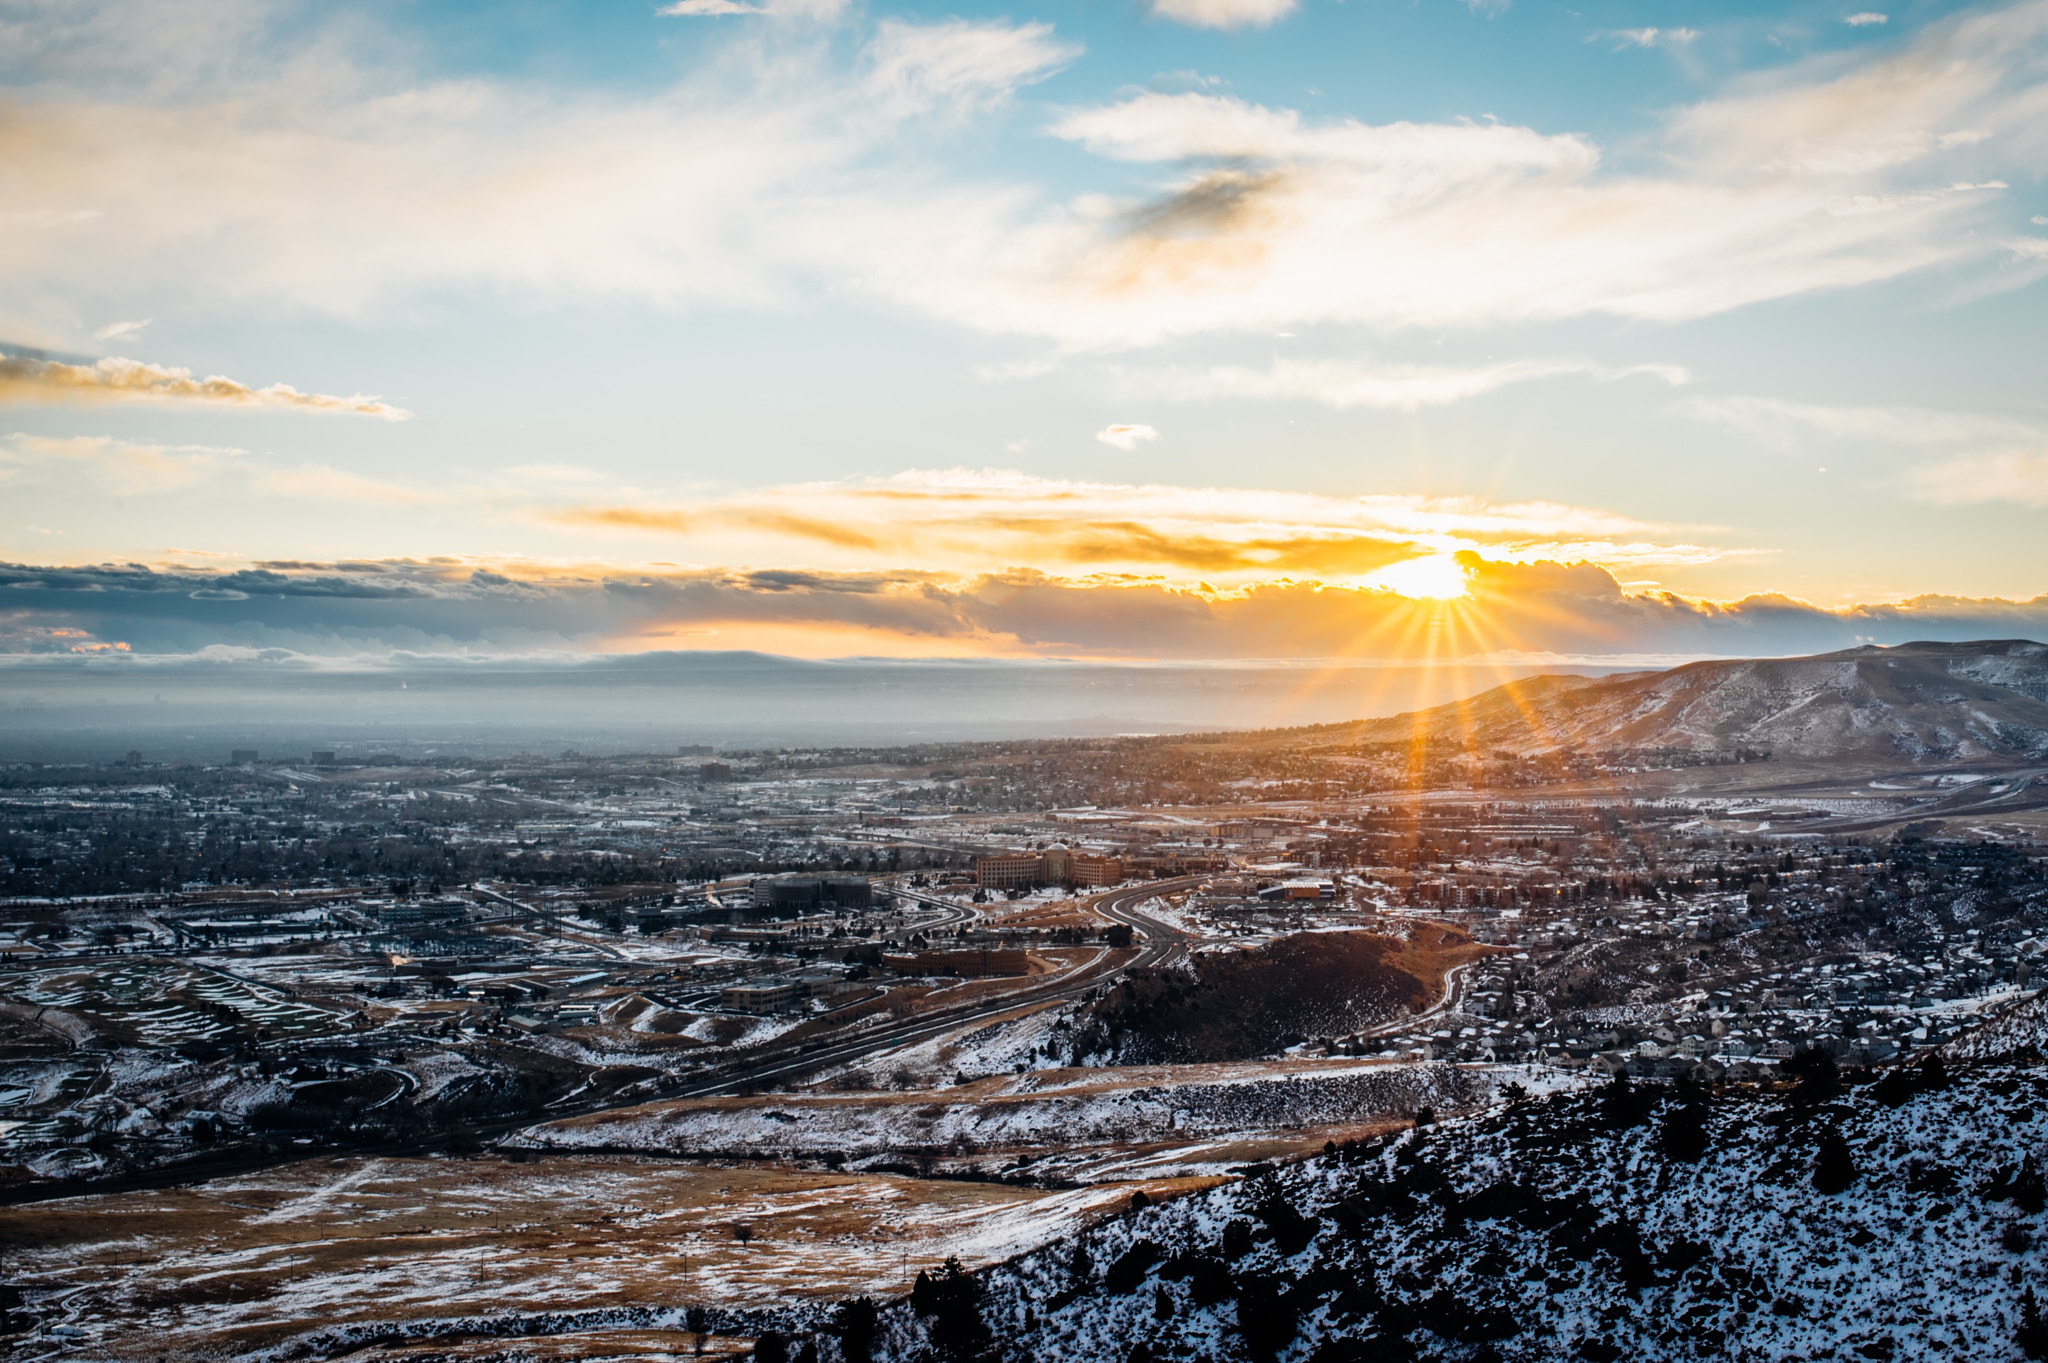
point(1020, 871)
point(1056, 865)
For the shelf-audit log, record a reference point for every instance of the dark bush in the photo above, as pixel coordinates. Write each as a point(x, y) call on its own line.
point(1834, 1168)
point(1129, 1270)
point(1237, 1240)
point(854, 1323)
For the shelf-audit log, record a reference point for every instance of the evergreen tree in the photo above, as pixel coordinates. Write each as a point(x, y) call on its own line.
point(953, 1302)
point(1894, 1090)
point(2032, 1336)
point(1266, 1317)
point(2028, 1190)
point(1934, 1074)
point(1622, 1105)
point(1819, 1078)
point(1834, 1169)
point(1162, 1303)
point(1682, 1135)
point(854, 1323)
point(771, 1348)
point(1237, 1239)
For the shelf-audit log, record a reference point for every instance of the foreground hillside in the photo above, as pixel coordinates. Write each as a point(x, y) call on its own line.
point(1913, 703)
point(1900, 1220)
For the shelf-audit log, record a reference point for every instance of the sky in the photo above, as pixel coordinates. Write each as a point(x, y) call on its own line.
point(1131, 329)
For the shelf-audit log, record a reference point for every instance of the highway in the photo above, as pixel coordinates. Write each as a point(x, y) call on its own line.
point(1164, 945)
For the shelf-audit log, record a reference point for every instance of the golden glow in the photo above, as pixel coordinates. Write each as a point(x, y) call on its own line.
point(1440, 577)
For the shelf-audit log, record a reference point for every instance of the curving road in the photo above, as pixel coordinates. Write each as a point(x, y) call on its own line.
point(1164, 945)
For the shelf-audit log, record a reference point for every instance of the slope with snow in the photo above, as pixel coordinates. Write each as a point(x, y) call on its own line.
point(1575, 1227)
point(1914, 703)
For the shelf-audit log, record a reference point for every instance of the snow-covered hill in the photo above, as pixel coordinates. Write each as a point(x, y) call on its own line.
point(1582, 1226)
point(1912, 703)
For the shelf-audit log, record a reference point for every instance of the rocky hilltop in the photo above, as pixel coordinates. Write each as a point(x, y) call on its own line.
point(1902, 1219)
point(1913, 703)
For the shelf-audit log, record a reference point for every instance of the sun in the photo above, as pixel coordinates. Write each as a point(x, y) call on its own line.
point(1440, 577)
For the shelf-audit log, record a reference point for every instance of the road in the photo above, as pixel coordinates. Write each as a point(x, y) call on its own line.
point(952, 913)
point(1163, 945)
point(1454, 994)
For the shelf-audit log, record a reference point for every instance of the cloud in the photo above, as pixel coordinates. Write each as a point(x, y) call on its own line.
point(1825, 177)
point(2019, 476)
point(1224, 14)
point(699, 9)
point(121, 467)
point(1864, 18)
point(961, 522)
point(318, 482)
point(1395, 387)
point(120, 331)
point(24, 379)
point(959, 65)
point(776, 170)
point(1647, 37)
point(1783, 424)
point(1126, 437)
point(2007, 465)
point(464, 609)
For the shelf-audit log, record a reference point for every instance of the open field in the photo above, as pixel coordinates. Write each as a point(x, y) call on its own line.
point(237, 1266)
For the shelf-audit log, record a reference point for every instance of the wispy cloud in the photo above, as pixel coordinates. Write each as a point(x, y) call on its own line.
point(319, 482)
point(121, 467)
point(118, 380)
point(2009, 461)
point(1126, 437)
point(1865, 17)
point(120, 331)
point(736, 187)
point(1390, 387)
point(959, 65)
point(963, 522)
point(701, 9)
point(1646, 37)
point(1785, 424)
point(1224, 14)
point(2018, 476)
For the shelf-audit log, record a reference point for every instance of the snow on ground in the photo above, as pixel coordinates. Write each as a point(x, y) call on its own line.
point(1056, 1126)
point(1552, 1230)
point(315, 1259)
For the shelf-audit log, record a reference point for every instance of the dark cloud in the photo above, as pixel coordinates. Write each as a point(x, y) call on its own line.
point(459, 608)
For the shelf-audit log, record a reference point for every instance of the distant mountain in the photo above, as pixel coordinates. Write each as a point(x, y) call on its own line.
point(1920, 702)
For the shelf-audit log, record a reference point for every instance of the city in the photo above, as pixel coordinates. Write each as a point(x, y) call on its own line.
point(882, 964)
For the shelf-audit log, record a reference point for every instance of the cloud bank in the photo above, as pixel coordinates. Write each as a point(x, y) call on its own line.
point(463, 608)
point(969, 521)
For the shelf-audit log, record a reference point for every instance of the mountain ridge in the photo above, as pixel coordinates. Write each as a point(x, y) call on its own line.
point(1921, 702)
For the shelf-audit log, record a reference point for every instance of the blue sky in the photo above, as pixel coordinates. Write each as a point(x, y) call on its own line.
point(1165, 301)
